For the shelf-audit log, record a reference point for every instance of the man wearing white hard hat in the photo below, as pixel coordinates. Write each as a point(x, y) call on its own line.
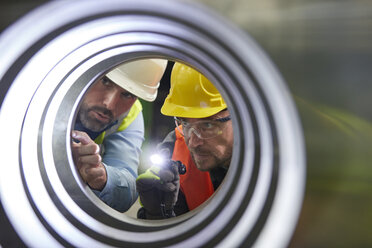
point(109, 130)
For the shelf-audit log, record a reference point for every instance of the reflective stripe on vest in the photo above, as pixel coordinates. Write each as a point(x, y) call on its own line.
point(133, 113)
point(196, 185)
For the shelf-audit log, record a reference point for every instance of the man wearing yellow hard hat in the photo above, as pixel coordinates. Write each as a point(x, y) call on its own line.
point(202, 141)
point(109, 130)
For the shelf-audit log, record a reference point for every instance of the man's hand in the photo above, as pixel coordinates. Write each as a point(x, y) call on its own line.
point(158, 190)
point(88, 160)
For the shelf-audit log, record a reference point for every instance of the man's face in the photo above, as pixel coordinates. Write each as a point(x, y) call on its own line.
point(104, 103)
point(213, 152)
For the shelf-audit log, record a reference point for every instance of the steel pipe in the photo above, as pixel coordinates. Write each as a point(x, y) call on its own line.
point(64, 47)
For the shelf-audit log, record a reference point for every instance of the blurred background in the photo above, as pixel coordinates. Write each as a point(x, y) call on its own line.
point(323, 49)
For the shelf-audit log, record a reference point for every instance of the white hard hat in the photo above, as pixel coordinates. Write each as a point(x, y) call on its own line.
point(140, 77)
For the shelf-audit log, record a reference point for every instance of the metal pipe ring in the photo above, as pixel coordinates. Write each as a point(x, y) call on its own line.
point(70, 44)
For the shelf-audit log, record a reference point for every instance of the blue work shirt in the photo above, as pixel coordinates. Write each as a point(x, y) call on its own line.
point(121, 152)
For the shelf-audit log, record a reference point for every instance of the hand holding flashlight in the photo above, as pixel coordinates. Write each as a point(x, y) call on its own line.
point(162, 159)
point(158, 187)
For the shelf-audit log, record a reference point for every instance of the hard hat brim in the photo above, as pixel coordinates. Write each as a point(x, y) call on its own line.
point(146, 93)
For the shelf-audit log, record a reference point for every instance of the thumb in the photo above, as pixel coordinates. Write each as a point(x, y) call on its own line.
point(146, 181)
point(81, 136)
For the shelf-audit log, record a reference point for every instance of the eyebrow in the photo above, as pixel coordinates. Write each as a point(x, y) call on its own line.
point(106, 78)
point(112, 82)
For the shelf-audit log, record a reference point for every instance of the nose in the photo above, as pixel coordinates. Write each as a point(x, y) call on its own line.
point(194, 139)
point(110, 99)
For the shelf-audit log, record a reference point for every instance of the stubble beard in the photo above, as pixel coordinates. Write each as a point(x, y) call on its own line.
point(212, 161)
point(90, 122)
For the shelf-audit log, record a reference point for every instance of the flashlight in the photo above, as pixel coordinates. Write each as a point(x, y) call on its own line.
point(161, 159)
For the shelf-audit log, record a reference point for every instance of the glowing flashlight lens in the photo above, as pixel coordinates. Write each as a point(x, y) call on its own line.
point(157, 159)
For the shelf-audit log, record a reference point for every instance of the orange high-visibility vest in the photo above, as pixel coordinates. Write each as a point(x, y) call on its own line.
point(196, 185)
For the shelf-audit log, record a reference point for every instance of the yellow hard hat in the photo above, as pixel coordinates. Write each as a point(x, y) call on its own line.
point(140, 77)
point(191, 95)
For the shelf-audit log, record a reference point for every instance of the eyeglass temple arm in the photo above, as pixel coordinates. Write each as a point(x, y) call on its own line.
point(224, 119)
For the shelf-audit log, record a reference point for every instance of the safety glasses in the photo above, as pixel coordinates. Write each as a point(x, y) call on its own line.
point(205, 129)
